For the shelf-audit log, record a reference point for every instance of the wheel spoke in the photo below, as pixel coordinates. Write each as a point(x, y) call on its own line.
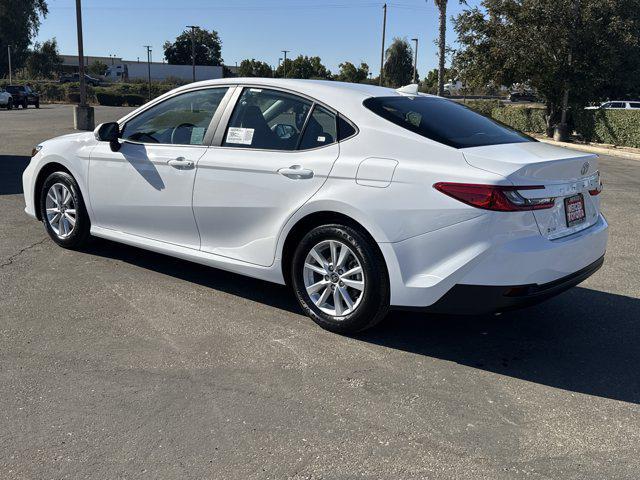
point(319, 258)
point(67, 197)
point(63, 227)
point(53, 198)
point(57, 195)
point(342, 257)
point(352, 272)
point(333, 248)
point(337, 302)
point(70, 219)
point(357, 284)
point(52, 210)
point(346, 297)
point(315, 268)
point(55, 218)
point(71, 211)
point(323, 297)
point(311, 289)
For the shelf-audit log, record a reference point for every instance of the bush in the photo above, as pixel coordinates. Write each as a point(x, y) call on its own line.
point(484, 107)
point(110, 99)
point(617, 127)
point(135, 100)
point(524, 119)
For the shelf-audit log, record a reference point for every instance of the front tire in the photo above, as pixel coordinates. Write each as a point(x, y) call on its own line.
point(63, 211)
point(25, 104)
point(340, 279)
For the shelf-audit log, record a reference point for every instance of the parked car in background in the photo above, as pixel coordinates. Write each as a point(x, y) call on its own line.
point(526, 96)
point(23, 96)
point(6, 100)
point(617, 105)
point(359, 197)
point(75, 77)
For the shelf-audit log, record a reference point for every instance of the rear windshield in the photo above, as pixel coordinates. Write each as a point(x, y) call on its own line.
point(443, 121)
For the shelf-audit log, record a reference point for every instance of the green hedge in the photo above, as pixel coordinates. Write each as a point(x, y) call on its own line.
point(524, 119)
point(485, 107)
point(617, 127)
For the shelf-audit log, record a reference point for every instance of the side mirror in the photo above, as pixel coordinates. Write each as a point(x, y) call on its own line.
point(109, 132)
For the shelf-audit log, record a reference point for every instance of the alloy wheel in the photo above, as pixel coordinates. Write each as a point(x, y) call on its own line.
point(61, 210)
point(333, 278)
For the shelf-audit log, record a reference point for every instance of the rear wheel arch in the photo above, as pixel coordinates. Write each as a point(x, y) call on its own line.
point(308, 223)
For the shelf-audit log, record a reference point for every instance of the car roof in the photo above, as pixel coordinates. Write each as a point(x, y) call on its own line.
point(345, 97)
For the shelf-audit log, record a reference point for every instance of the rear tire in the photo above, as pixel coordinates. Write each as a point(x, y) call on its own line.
point(337, 300)
point(25, 104)
point(37, 104)
point(10, 105)
point(63, 211)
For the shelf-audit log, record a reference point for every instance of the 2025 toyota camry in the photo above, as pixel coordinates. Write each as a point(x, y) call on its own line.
point(359, 197)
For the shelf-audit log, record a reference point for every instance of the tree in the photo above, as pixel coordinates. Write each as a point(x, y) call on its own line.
point(430, 83)
point(98, 68)
point(208, 48)
point(43, 60)
point(442, 33)
point(19, 24)
point(573, 52)
point(303, 67)
point(254, 68)
point(398, 64)
point(350, 73)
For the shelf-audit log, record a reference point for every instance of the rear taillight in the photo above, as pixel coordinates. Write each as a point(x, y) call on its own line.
point(495, 197)
point(598, 189)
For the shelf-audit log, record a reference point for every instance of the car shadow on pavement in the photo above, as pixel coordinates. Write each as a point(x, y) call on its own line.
point(584, 340)
point(11, 168)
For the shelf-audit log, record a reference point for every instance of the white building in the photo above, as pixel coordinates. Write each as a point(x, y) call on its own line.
point(127, 70)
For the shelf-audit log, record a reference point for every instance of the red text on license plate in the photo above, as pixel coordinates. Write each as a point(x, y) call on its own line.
point(574, 210)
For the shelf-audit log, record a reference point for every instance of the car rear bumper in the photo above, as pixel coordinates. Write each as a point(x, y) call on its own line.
point(483, 252)
point(482, 299)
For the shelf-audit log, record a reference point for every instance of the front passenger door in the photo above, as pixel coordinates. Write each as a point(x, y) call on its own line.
point(145, 188)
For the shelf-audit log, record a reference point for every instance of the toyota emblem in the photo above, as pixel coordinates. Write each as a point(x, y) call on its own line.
point(585, 168)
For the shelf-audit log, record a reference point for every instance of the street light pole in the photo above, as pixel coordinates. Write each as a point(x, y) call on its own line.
point(83, 114)
point(9, 53)
point(193, 48)
point(285, 63)
point(384, 31)
point(415, 61)
point(148, 47)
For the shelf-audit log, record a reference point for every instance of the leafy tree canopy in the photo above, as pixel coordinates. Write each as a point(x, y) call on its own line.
point(304, 67)
point(350, 73)
point(398, 64)
point(254, 68)
point(43, 60)
point(591, 47)
point(208, 48)
point(97, 68)
point(19, 24)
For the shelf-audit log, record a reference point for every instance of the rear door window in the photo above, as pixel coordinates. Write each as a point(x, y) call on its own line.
point(320, 129)
point(443, 121)
point(634, 104)
point(267, 119)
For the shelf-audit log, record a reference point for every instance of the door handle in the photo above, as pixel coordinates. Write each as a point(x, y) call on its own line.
point(181, 163)
point(296, 172)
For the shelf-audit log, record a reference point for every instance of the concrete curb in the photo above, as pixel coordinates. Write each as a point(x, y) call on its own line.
point(633, 154)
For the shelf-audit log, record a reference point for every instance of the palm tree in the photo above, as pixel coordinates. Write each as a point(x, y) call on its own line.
point(442, 6)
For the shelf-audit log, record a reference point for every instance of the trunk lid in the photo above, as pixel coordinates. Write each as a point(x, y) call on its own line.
point(567, 175)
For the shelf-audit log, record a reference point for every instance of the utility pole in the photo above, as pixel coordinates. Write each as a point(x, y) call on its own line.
point(384, 31)
point(279, 62)
point(148, 47)
point(285, 62)
point(83, 114)
point(415, 60)
point(9, 53)
point(193, 48)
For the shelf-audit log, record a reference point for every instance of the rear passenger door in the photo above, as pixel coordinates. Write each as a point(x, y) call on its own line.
point(272, 151)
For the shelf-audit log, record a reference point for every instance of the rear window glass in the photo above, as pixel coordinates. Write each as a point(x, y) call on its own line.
point(444, 121)
point(634, 104)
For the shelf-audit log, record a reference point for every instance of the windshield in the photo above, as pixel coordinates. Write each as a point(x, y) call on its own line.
point(444, 121)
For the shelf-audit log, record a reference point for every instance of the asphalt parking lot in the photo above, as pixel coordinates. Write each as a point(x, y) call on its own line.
point(121, 363)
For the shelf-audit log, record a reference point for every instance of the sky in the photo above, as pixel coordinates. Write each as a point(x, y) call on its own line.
point(334, 30)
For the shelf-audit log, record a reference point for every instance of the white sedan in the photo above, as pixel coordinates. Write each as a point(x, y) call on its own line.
point(360, 198)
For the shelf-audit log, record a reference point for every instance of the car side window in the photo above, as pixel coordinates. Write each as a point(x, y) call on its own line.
point(267, 119)
point(616, 105)
point(320, 129)
point(634, 104)
point(180, 120)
